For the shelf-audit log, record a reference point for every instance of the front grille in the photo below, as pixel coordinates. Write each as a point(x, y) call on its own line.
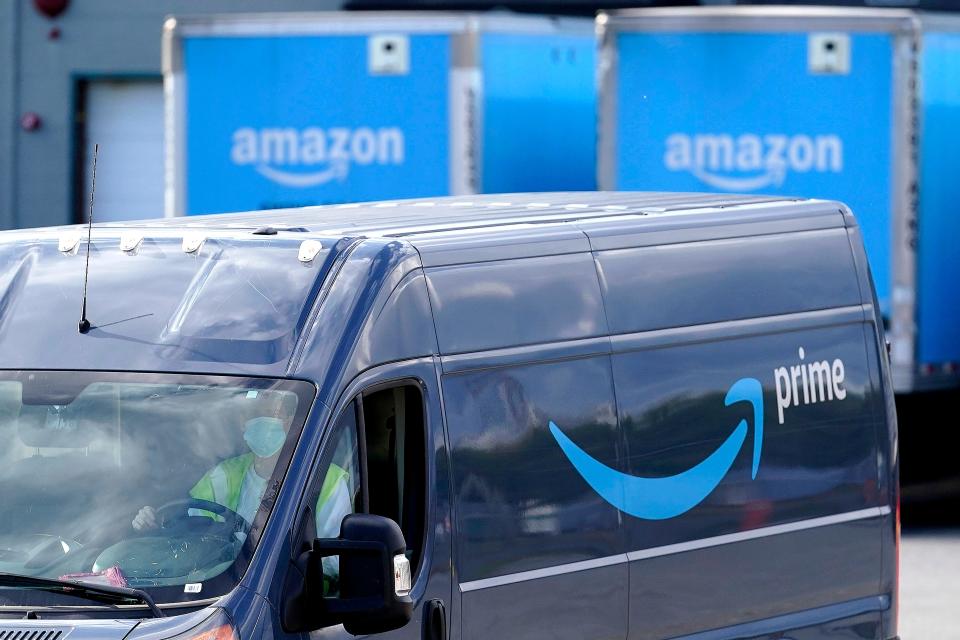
point(34, 633)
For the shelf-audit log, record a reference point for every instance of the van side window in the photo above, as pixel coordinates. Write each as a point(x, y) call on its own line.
point(338, 494)
point(396, 464)
point(393, 436)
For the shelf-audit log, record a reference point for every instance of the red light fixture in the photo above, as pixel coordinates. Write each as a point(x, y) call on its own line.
point(51, 8)
point(30, 121)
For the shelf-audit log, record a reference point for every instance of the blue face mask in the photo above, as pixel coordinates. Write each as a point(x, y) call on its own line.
point(264, 435)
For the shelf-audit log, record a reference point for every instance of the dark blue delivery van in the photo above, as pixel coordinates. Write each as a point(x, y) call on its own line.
point(602, 416)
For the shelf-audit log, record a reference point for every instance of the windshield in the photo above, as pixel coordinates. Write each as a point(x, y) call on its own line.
point(152, 481)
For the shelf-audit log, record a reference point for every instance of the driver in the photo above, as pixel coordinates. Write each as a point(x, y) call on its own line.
point(239, 483)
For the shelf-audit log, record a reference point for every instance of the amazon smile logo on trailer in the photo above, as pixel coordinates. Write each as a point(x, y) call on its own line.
point(750, 161)
point(315, 156)
point(668, 497)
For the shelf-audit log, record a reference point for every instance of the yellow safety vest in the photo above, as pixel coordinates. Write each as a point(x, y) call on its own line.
point(223, 484)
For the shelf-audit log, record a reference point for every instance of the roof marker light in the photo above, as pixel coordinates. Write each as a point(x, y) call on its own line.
point(499, 204)
point(69, 242)
point(462, 204)
point(192, 242)
point(615, 207)
point(538, 205)
point(575, 206)
point(309, 250)
point(130, 241)
point(424, 204)
point(384, 205)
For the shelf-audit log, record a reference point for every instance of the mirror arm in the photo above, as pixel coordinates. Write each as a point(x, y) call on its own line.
point(300, 610)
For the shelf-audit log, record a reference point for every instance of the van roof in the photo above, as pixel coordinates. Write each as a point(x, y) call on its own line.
point(476, 228)
point(409, 218)
point(206, 294)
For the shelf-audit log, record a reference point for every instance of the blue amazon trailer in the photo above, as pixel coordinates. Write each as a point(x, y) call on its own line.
point(270, 111)
point(860, 105)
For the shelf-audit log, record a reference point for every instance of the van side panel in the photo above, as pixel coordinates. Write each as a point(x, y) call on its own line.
point(718, 586)
point(815, 451)
point(817, 448)
point(504, 303)
point(377, 285)
point(400, 325)
point(889, 474)
point(537, 549)
point(681, 285)
point(888, 459)
point(753, 419)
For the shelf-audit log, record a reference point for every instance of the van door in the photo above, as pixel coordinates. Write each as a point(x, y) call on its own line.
point(523, 336)
point(781, 495)
point(751, 416)
point(538, 553)
point(386, 455)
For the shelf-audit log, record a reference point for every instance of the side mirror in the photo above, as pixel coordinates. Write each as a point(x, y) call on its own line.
point(375, 577)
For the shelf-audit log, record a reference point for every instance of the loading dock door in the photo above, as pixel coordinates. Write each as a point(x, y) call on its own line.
point(126, 119)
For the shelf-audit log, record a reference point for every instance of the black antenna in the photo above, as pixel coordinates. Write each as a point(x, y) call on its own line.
point(84, 323)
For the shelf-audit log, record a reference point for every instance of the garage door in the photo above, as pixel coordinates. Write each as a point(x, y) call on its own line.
point(126, 119)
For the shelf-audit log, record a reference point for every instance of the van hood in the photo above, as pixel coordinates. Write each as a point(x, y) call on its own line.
point(64, 629)
point(188, 299)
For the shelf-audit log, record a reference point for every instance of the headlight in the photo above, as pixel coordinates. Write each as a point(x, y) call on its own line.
point(202, 625)
point(221, 629)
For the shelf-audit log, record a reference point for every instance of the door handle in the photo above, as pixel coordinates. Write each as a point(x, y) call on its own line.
point(434, 620)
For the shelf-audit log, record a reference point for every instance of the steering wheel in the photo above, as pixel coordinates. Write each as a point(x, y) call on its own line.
point(177, 511)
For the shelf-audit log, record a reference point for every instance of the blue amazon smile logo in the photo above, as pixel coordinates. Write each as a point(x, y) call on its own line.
point(662, 498)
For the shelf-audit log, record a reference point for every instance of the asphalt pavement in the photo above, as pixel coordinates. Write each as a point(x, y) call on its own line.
point(930, 584)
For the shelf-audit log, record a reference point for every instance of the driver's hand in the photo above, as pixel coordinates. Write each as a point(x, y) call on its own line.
point(146, 519)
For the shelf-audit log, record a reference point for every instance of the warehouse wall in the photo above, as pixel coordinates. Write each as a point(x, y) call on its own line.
point(40, 74)
point(8, 101)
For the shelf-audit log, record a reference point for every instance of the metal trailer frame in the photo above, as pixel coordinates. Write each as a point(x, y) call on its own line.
point(906, 27)
point(465, 93)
